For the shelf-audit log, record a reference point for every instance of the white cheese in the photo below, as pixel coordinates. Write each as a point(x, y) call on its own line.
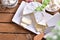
point(30, 7)
point(26, 20)
point(24, 25)
point(40, 18)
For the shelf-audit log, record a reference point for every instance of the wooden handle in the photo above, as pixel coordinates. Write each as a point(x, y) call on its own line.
point(39, 36)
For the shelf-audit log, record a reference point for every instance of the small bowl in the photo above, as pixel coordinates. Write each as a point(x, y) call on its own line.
point(52, 10)
point(57, 2)
point(10, 3)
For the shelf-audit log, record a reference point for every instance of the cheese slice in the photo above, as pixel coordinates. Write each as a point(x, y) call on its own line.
point(40, 18)
point(24, 25)
point(26, 20)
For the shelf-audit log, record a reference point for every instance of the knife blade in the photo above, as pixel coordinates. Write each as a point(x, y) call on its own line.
point(41, 35)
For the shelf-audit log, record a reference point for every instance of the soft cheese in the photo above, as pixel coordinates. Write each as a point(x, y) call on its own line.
point(24, 25)
point(30, 7)
point(26, 20)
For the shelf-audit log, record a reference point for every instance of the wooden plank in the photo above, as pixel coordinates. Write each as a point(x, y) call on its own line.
point(7, 37)
point(6, 17)
point(27, 37)
point(15, 37)
point(10, 27)
point(24, 37)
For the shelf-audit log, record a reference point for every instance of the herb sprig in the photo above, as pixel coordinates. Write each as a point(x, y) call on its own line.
point(44, 4)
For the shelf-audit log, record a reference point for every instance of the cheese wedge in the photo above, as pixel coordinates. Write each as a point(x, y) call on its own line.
point(30, 7)
point(26, 20)
point(38, 27)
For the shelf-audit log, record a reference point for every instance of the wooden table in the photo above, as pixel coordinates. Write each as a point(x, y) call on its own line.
point(10, 30)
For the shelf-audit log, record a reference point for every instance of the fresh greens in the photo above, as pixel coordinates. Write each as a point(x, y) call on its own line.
point(44, 4)
point(56, 33)
point(58, 38)
point(48, 38)
point(58, 23)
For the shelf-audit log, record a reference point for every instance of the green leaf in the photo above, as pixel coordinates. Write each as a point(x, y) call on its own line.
point(58, 23)
point(44, 4)
point(37, 9)
point(48, 38)
point(54, 31)
point(58, 37)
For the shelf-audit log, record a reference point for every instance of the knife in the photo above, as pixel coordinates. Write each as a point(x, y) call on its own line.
point(41, 35)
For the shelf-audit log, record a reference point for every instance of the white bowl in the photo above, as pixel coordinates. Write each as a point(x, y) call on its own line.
point(57, 2)
point(48, 8)
point(10, 3)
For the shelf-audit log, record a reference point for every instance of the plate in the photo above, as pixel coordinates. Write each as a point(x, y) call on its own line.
point(18, 15)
